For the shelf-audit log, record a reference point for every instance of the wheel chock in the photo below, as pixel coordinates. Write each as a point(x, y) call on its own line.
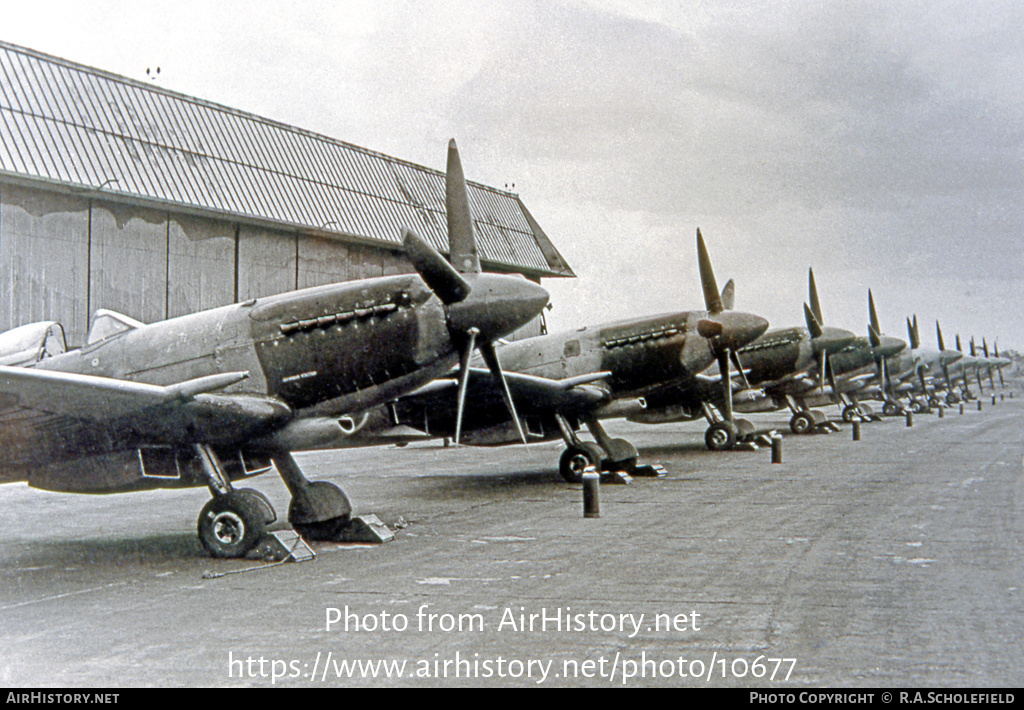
point(283, 546)
point(650, 471)
point(615, 477)
point(766, 438)
point(364, 528)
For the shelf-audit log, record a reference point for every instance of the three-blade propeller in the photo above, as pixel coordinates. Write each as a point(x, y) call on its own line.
point(479, 306)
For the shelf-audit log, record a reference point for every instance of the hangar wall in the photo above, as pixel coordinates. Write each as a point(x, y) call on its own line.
point(62, 257)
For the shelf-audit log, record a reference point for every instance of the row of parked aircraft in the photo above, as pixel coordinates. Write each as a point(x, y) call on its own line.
point(221, 395)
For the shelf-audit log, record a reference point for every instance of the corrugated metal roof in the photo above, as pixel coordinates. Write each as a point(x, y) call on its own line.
point(65, 123)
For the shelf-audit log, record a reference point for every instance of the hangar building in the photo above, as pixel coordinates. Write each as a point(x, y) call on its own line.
point(122, 195)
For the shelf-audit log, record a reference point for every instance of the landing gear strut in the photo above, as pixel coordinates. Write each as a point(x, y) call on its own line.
point(606, 455)
point(233, 521)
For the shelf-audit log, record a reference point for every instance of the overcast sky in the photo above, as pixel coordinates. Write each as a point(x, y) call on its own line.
point(878, 142)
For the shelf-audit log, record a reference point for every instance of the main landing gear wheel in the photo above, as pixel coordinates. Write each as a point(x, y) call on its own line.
point(576, 459)
point(720, 436)
point(802, 423)
point(890, 409)
point(850, 412)
point(952, 398)
point(231, 524)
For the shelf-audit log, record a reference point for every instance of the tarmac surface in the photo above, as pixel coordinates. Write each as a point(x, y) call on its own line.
point(893, 561)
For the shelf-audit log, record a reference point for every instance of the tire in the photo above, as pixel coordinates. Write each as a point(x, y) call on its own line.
point(230, 525)
point(850, 413)
point(801, 423)
point(952, 398)
point(890, 409)
point(575, 460)
point(720, 436)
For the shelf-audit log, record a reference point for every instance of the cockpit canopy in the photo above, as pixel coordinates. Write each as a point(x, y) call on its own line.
point(28, 344)
point(106, 324)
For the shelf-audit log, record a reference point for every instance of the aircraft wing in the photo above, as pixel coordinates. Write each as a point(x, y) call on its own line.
point(528, 391)
point(433, 407)
point(48, 416)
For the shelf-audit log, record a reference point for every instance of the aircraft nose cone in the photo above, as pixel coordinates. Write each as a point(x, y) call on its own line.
point(739, 328)
point(890, 346)
point(833, 340)
point(497, 305)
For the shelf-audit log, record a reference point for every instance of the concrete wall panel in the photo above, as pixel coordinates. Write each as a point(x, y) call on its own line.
point(129, 261)
point(201, 267)
point(43, 260)
point(266, 262)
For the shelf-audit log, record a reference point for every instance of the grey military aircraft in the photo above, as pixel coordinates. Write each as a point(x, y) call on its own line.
point(220, 395)
point(913, 366)
point(994, 362)
point(564, 380)
point(790, 364)
point(856, 370)
point(977, 365)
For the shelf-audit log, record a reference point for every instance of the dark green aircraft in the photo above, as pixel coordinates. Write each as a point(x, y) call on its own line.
point(854, 371)
point(567, 380)
point(217, 396)
point(789, 363)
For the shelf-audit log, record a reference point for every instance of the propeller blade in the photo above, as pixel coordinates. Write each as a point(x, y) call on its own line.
point(938, 332)
point(739, 369)
point(883, 377)
point(984, 347)
point(723, 366)
point(461, 243)
point(815, 304)
point(832, 378)
point(438, 274)
point(464, 355)
point(823, 363)
point(873, 337)
point(873, 315)
point(729, 295)
point(712, 298)
point(813, 324)
point(491, 358)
